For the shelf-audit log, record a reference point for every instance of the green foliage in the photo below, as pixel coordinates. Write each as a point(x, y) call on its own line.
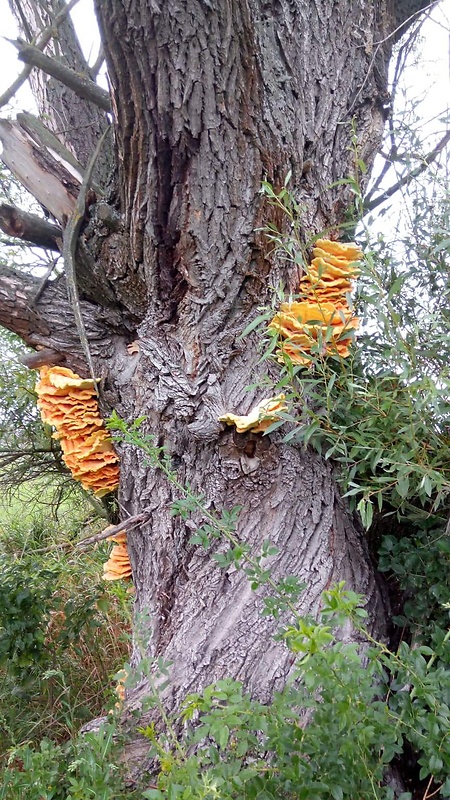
point(78, 770)
point(25, 604)
point(343, 718)
point(28, 453)
point(332, 732)
point(421, 565)
point(381, 413)
point(63, 633)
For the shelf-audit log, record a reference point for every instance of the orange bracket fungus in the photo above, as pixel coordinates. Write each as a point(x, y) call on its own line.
point(323, 316)
point(69, 404)
point(260, 417)
point(118, 565)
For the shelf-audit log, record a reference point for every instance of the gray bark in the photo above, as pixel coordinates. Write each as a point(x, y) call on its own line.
point(208, 104)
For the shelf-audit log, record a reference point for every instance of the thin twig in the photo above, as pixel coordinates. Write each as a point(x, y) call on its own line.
point(112, 530)
point(70, 241)
point(428, 786)
point(44, 281)
point(381, 42)
point(428, 159)
point(96, 66)
point(127, 524)
point(428, 796)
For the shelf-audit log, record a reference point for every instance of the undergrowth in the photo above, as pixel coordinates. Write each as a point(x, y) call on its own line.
point(63, 631)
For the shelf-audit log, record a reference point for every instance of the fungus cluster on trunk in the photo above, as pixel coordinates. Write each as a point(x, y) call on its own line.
point(118, 565)
point(322, 322)
point(69, 404)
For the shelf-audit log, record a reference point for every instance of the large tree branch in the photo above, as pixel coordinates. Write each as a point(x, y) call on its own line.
point(36, 167)
point(48, 322)
point(29, 227)
point(77, 122)
point(40, 133)
point(16, 314)
point(80, 84)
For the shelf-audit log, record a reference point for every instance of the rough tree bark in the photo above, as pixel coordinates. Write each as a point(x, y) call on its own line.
point(208, 100)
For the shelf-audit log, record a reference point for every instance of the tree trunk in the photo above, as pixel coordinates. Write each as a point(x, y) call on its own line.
point(209, 100)
point(208, 105)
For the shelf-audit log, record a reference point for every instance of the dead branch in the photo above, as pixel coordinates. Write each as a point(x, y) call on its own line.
point(29, 227)
point(35, 166)
point(42, 358)
point(428, 159)
point(112, 530)
point(80, 84)
point(40, 42)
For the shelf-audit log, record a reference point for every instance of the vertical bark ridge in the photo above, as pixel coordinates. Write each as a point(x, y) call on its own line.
point(210, 101)
point(213, 102)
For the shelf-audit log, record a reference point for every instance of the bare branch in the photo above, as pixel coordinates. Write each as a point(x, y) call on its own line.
point(40, 42)
point(15, 86)
point(80, 84)
point(386, 167)
point(126, 525)
point(112, 530)
point(44, 281)
point(96, 66)
point(428, 159)
point(29, 227)
point(42, 358)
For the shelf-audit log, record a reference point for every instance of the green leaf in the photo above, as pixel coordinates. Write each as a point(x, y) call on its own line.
point(254, 324)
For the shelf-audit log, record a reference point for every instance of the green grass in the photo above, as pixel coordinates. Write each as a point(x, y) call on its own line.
point(63, 631)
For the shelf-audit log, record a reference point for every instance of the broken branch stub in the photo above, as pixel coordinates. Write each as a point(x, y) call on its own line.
point(30, 228)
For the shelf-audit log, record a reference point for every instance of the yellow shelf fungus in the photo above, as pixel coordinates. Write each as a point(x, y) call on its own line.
point(324, 315)
point(259, 418)
point(69, 404)
point(118, 565)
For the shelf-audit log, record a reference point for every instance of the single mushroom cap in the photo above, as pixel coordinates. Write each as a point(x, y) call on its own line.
point(260, 417)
